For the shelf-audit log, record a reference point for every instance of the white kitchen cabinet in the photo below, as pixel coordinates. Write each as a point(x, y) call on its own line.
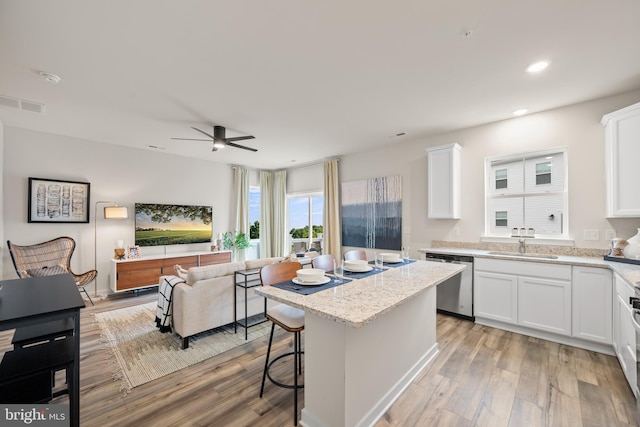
point(528, 294)
point(443, 181)
point(592, 295)
point(624, 332)
point(622, 151)
point(495, 296)
point(545, 304)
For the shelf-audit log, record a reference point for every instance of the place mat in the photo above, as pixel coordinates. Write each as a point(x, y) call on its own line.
point(396, 264)
point(308, 290)
point(400, 264)
point(363, 274)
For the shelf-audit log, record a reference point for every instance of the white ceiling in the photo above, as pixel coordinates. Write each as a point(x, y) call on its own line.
point(310, 79)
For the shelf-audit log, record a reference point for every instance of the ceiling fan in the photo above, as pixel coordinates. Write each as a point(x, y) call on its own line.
point(219, 140)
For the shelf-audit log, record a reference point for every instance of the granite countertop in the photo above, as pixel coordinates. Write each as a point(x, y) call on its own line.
point(360, 301)
point(629, 272)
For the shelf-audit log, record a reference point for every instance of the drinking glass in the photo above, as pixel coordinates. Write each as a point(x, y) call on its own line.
point(405, 253)
point(338, 271)
point(377, 261)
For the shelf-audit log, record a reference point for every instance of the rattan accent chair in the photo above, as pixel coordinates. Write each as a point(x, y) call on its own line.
point(48, 259)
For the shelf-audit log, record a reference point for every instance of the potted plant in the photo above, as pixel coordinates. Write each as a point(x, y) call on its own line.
point(236, 243)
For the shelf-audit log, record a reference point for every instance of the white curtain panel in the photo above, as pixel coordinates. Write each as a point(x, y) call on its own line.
point(332, 229)
point(279, 246)
point(266, 214)
point(241, 191)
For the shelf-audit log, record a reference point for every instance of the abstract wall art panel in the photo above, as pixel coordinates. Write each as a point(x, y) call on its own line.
point(372, 213)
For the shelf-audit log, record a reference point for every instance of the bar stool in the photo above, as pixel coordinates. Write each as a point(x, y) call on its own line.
point(324, 262)
point(291, 320)
point(355, 254)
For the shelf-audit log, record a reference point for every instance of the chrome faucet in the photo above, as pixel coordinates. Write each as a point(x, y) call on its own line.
point(522, 247)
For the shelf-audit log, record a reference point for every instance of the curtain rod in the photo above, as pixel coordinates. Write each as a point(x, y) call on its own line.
point(293, 167)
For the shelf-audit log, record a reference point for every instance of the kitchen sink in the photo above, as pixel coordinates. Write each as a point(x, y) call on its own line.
point(525, 255)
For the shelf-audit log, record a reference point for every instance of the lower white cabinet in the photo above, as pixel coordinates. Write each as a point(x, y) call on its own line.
point(592, 304)
point(496, 296)
point(558, 300)
point(624, 333)
point(545, 304)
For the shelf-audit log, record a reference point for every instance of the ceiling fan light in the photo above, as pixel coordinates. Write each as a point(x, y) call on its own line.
point(218, 144)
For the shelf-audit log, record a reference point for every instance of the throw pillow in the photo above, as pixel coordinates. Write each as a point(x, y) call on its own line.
point(47, 271)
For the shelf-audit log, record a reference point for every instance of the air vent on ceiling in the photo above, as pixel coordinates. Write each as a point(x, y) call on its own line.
point(22, 104)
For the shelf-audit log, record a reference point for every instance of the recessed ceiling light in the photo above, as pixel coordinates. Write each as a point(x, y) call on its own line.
point(466, 34)
point(520, 112)
point(51, 78)
point(537, 66)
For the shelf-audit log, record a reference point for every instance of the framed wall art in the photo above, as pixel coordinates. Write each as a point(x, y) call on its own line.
point(52, 200)
point(372, 213)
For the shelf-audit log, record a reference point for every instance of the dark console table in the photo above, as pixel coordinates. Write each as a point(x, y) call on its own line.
point(39, 300)
point(245, 280)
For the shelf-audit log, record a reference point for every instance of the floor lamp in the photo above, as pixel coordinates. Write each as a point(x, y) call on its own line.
point(110, 212)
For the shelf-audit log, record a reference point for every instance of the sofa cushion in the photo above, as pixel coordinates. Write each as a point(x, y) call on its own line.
point(46, 271)
point(211, 271)
point(259, 263)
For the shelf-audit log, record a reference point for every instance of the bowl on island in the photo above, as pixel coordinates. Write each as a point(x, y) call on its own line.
point(357, 265)
point(391, 257)
point(310, 275)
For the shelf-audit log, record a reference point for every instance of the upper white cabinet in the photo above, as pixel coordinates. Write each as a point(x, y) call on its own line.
point(443, 181)
point(622, 154)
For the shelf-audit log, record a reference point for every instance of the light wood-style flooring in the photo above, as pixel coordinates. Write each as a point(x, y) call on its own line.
point(481, 377)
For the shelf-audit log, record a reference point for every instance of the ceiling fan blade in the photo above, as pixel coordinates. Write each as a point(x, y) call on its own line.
point(192, 139)
point(240, 146)
point(203, 132)
point(239, 138)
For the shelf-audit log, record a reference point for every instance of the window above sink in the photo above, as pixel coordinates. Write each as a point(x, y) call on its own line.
point(527, 190)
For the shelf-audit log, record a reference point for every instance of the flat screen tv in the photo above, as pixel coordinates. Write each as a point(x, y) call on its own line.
point(158, 225)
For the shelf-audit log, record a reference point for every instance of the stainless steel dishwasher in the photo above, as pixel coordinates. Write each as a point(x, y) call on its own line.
point(455, 295)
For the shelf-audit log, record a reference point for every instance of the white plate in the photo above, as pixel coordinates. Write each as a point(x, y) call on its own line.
point(359, 269)
point(321, 282)
point(393, 261)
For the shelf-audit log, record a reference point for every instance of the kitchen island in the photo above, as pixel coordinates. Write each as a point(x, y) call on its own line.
point(366, 340)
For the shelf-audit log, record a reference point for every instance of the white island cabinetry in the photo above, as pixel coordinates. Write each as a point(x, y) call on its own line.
point(356, 361)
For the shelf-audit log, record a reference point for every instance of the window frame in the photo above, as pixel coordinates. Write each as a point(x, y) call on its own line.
point(491, 194)
point(310, 195)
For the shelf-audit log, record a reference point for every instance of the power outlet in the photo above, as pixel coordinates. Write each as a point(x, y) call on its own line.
point(610, 234)
point(591, 234)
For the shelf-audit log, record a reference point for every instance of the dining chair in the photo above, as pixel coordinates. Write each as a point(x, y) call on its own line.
point(324, 262)
point(48, 259)
point(355, 254)
point(290, 319)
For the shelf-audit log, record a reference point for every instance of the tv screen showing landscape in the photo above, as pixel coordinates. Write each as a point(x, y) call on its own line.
point(158, 225)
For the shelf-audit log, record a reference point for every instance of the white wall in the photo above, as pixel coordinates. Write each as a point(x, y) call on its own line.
point(115, 173)
point(577, 127)
point(129, 176)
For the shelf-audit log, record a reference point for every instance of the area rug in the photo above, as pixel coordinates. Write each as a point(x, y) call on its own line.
point(144, 354)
